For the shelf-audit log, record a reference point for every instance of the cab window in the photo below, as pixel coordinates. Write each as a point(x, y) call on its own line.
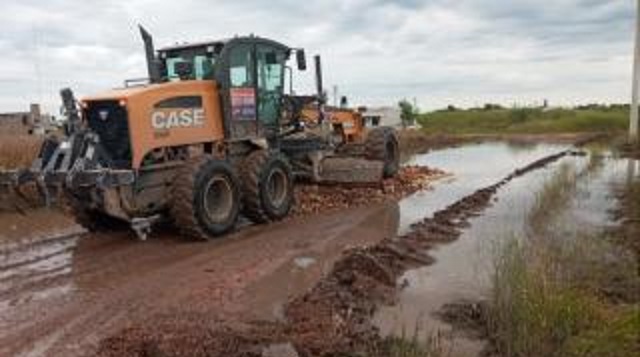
point(241, 67)
point(203, 67)
point(270, 83)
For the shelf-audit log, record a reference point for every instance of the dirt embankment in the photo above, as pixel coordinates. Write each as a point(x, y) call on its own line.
point(335, 316)
point(415, 141)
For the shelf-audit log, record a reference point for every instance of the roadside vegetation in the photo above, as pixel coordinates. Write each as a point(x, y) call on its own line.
point(494, 119)
point(562, 291)
point(18, 151)
point(435, 345)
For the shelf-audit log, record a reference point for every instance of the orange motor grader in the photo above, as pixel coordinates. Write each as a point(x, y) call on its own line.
point(210, 135)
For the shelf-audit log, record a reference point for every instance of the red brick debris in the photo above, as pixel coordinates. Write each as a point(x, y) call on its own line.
point(312, 198)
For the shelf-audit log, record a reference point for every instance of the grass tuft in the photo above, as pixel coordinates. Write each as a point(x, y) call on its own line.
point(533, 314)
point(560, 291)
point(434, 346)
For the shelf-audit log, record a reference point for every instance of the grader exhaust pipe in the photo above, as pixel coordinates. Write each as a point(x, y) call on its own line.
point(152, 62)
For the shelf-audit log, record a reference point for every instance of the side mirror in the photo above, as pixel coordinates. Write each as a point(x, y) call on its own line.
point(184, 69)
point(301, 59)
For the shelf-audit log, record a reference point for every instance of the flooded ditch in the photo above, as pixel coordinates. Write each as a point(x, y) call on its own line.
point(528, 206)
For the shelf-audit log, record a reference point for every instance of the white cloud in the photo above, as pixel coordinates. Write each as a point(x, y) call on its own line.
point(440, 51)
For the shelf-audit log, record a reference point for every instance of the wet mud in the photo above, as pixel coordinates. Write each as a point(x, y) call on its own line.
point(335, 316)
point(62, 296)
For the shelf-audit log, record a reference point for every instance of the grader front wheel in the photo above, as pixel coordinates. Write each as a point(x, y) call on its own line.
point(205, 198)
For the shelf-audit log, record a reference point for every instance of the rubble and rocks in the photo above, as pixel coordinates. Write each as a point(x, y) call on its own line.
point(311, 198)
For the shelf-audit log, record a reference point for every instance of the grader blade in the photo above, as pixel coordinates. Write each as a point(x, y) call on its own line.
point(343, 170)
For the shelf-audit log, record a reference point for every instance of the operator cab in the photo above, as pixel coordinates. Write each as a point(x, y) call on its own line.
point(189, 62)
point(249, 72)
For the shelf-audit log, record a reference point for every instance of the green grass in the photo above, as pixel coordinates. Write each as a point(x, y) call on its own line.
point(531, 313)
point(618, 337)
point(561, 292)
point(434, 346)
point(548, 301)
point(524, 121)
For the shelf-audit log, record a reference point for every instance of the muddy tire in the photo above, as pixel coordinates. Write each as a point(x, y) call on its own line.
point(382, 144)
point(205, 198)
point(267, 186)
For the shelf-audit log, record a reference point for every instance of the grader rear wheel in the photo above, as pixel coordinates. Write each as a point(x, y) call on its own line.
point(382, 144)
point(205, 198)
point(267, 183)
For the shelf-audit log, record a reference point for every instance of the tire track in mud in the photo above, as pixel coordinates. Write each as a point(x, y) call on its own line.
point(335, 316)
point(30, 263)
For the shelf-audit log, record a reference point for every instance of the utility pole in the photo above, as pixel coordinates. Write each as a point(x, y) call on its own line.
point(633, 116)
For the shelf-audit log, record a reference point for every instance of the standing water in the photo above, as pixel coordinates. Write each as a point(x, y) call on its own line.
point(462, 269)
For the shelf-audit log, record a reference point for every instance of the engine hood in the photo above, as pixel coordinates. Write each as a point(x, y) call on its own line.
point(146, 90)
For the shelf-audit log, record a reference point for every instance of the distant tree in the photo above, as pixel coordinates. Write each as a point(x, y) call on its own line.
point(408, 113)
point(491, 106)
point(451, 108)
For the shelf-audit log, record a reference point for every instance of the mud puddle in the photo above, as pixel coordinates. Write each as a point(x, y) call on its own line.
point(460, 276)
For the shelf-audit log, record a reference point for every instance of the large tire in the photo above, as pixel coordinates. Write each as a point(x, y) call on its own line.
point(205, 198)
point(267, 186)
point(382, 144)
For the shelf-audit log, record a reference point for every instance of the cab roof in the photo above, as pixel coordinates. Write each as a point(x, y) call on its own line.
point(221, 43)
point(182, 46)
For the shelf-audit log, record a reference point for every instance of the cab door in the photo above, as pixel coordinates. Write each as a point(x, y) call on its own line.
point(256, 82)
point(242, 93)
point(270, 64)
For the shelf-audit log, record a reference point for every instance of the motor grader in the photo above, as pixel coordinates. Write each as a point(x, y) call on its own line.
point(211, 134)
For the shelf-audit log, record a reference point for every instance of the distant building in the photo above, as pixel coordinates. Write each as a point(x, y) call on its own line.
point(32, 122)
point(383, 116)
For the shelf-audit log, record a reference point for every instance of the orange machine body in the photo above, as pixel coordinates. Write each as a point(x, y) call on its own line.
point(350, 121)
point(168, 115)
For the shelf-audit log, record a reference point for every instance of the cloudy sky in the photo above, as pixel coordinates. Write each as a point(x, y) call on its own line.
point(462, 52)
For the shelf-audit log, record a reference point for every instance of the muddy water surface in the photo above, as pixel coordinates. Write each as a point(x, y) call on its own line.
point(462, 268)
point(472, 167)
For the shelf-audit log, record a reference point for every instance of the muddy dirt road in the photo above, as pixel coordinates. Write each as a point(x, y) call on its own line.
point(61, 297)
point(65, 296)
